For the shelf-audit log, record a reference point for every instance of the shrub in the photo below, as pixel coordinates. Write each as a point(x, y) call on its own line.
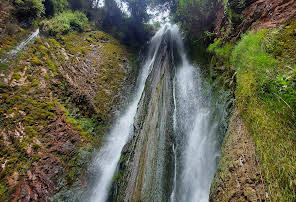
point(28, 10)
point(221, 51)
point(64, 23)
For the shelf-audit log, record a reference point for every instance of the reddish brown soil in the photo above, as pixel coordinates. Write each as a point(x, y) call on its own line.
point(260, 14)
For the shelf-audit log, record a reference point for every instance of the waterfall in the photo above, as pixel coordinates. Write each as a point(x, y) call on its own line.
point(169, 129)
point(195, 130)
point(20, 47)
point(108, 157)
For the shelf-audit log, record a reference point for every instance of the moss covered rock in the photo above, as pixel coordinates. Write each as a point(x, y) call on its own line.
point(57, 100)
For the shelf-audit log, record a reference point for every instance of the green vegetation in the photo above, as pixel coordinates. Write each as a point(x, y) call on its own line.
point(28, 10)
point(11, 41)
point(39, 99)
point(265, 96)
point(55, 6)
point(196, 16)
point(65, 22)
point(3, 66)
point(3, 192)
point(223, 52)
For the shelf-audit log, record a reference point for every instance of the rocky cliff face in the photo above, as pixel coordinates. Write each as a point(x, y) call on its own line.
point(237, 17)
point(146, 173)
point(57, 99)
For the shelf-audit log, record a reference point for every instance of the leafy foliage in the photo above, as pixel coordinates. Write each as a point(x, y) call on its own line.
point(27, 10)
point(221, 51)
point(196, 16)
point(55, 6)
point(65, 22)
point(131, 30)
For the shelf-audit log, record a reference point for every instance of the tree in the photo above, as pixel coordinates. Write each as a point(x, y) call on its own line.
point(53, 7)
point(28, 10)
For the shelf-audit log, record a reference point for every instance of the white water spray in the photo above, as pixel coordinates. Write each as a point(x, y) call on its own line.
point(196, 133)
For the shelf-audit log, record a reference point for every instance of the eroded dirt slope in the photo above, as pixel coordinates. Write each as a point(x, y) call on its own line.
point(239, 176)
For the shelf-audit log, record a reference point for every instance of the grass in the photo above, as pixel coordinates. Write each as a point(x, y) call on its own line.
point(269, 117)
point(265, 96)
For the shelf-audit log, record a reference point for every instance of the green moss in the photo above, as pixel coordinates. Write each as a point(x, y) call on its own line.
point(35, 61)
point(4, 66)
point(3, 192)
point(52, 67)
point(15, 76)
point(30, 131)
point(112, 74)
point(47, 77)
point(71, 175)
point(35, 83)
point(20, 68)
point(268, 117)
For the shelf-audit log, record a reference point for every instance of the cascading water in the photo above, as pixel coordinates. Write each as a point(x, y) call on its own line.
point(196, 132)
point(20, 47)
point(108, 157)
point(169, 130)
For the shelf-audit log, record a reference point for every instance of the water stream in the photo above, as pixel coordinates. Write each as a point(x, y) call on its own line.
point(195, 130)
point(20, 47)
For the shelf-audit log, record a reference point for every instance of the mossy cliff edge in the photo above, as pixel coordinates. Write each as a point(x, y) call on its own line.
point(258, 156)
point(58, 97)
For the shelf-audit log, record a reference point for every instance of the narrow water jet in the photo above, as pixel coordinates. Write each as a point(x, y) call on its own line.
point(20, 47)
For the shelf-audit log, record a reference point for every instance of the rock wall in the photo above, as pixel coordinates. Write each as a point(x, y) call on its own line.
point(147, 172)
point(237, 17)
point(243, 173)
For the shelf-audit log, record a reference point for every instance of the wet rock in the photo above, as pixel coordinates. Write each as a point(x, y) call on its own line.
point(148, 172)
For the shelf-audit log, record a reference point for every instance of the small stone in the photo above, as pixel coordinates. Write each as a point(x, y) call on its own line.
point(47, 45)
point(250, 193)
point(22, 113)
